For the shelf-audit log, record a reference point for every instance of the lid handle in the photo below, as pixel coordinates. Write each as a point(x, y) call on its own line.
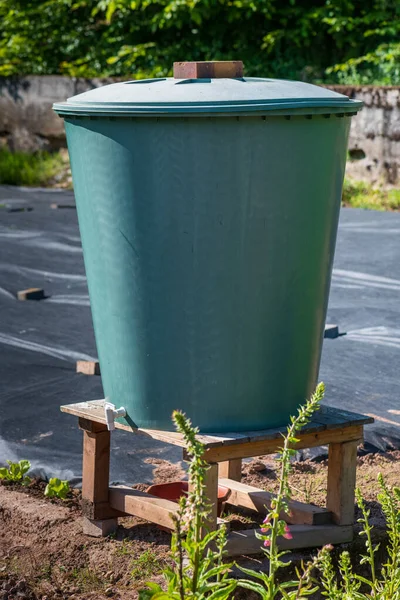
point(214, 69)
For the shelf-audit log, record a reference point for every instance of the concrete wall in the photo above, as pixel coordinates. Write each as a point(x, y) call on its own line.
point(27, 121)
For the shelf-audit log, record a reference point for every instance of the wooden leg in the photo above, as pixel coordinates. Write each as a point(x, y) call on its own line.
point(342, 463)
point(211, 485)
point(95, 480)
point(231, 469)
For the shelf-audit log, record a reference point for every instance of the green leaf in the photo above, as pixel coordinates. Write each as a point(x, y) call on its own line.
point(224, 592)
point(253, 586)
point(25, 465)
point(252, 573)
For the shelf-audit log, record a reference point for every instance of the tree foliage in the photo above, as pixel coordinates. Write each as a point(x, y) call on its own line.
point(347, 41)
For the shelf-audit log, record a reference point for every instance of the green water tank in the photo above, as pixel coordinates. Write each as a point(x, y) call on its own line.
point(208, 209)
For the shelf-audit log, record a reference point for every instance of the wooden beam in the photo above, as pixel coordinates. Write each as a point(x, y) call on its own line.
point(259, 448)
point(95, 472)
point(342, 464)
point(31, 294)
point(253, 498)
point(88, 367)
point(208, 69)
point(304, 536)
point(231, 469)
point(143, 505)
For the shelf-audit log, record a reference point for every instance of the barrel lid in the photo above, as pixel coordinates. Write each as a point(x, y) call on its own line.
point(207, 95)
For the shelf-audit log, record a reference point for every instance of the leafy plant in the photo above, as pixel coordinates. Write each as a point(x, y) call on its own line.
point(203, 574)
point(16, 472)
point(56, 488)
point(275, 527)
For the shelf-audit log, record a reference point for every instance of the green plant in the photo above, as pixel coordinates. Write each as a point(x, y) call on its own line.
point(16, 472)
point(203, 574)
point(87, 580)
point(146, 565)
point(360, 194)
point(274, 526)
point(310, 487)
point(23, 168)
point(56, 488)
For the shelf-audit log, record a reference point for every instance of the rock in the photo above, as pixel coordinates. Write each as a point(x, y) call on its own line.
point(21, 139)
point(256, 467)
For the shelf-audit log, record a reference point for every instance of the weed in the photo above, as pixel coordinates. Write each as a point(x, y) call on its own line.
point(16, 472)
point(124, 548)
point(360, 194)
point(145, 566)
point(22, 168)
point(56, 488)
point(274, 526)
point(202, 573)
point(311, 486)
point(87, 580)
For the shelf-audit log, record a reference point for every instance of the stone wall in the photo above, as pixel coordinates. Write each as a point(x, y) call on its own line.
point(27, 121)
point(374, 145)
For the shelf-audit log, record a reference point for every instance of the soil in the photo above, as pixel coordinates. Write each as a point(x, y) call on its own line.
point(44, 554)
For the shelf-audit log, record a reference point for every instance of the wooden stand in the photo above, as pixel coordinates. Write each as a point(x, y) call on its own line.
point(311, 526)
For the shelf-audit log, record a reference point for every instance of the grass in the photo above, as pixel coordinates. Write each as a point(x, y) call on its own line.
point(145, 566)
point(23, 168)
point(360, 194)
point(87, 580)
point(141, 566)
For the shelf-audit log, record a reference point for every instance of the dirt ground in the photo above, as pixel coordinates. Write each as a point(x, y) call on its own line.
point(43, 553)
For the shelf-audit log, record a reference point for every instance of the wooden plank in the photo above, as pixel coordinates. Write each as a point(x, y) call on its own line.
point(231, 469)
point(143, 505)
point(31, 294)
point(93, 410)
point(55, 205)
point(304, 536)
point(334, 417)
point(253, 498)
point(208, 69)
point(331, 331)
point(342, 464)
point(88, 367)
point(259, 448)
point(326, 418)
